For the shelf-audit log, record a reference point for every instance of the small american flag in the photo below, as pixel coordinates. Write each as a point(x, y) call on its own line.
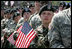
point(11, 39)
point(25, 36)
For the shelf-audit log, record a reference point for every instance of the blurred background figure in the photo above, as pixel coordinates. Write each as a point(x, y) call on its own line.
point(32, 8)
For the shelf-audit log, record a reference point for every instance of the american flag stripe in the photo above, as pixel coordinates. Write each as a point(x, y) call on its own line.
point(30, 40)
point(18, 39)
point(18, 36)
point(25, 38)
point(21, 40)
point(28, 37)
point(29, 33)
point(24, 41)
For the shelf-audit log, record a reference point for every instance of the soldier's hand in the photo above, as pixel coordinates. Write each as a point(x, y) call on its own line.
point(2, 39)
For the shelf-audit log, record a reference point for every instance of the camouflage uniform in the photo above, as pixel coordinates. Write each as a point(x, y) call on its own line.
point(41, 40)
point(31, 17)
point(9, 29)
point(35, 21)
point(20, 22)
point(59, 35)
point(2, 25)
point(5, 24)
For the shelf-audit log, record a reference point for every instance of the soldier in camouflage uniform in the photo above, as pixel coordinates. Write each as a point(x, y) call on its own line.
point(17, 21)
point(41, 40)
point(8, 30)
point(20, 20)
point(59, 35)
point(35, 20)
point(25, 14)
point(4, 23)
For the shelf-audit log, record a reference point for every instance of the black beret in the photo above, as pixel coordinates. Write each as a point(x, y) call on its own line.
point(25, 10)
point(68, 5)
point(62, 3)
point(46, 8)
point(31, 5)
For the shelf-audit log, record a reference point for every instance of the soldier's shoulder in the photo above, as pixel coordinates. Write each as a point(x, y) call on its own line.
point(21, 20)
point(59, 17)
point(36, 17)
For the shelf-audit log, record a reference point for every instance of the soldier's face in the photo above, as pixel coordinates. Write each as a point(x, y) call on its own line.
point(32, 9)
point(61, 8)
point(26, 15)
point(16, 19)
point(37, 5)
point(46, 16)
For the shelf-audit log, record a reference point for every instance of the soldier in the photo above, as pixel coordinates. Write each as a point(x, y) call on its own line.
point(25, 14)
point(10, 28)
point(62, 6)
point(35, 20)
point(59, 35)
point(68, 5)
point(41, 41)
point(7, 19)
point(5, 23)
point(19, 20)
point(32, 8)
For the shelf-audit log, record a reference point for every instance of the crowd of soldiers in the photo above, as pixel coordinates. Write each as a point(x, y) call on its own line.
point(51, 23)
